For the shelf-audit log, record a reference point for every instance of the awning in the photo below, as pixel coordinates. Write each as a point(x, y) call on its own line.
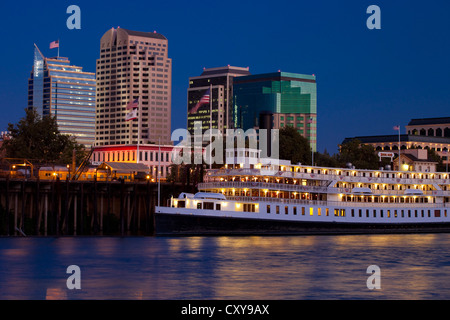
point(359, 190)
point(123, 167)
point(413, 192)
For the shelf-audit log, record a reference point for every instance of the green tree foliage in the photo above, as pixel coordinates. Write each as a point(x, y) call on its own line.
point(293, 146)
point(38, 138)
point(362, 156)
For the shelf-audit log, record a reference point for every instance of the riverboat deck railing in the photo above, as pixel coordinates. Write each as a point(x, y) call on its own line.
point(313, 189)
point(387, 177)
point(337, 204)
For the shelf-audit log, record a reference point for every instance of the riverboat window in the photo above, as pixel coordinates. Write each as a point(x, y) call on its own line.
point(181, 204)
point(311, 211)
point(389, 213)
point(303, 211)
point(374, 213)
point(360, 213)
point(415, 213)
point(437, 213)
point(295, 211)
point(319, 211)
point(199, 205)
point(367, 213)
point(353, 213)
point(268, 208)
point(327, 212)
point(249, 207)
point(445, 213)
point(429, 213)
point(336, 212)
point(403, 213)
point(395, 213)
point(218, 206)
point(277, 209)
point(208, 205)
point(409, 213)
point(381, 213)
point(423, 214)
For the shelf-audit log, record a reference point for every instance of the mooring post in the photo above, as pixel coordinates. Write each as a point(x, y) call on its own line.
point(37, 207)
point(7, 205)
point(66, 208)
point(95, 225)
point(147, 211)
point(122, 206)
point(22, 222)
point(81, 206)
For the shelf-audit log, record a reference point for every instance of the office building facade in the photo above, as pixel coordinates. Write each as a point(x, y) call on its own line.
point(424, 133)
point(65, 91)
point(290, 98)
point(210, 98)
point(133, 66)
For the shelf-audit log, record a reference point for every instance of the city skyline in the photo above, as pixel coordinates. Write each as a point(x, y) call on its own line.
point(368, 80)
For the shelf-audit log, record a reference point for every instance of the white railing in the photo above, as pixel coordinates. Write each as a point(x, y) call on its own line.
point(331, 175)
point(339, 203)
point(261, 185)
point(310, 189)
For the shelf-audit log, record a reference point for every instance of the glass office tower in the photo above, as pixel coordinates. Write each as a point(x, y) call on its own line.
point(210, 98)
point(290, 98)
point(64, 91)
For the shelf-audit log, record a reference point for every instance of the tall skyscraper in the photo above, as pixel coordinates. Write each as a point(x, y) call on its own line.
point(290, 98)
point(133, 65)
point(210, 98)
point(57, 88)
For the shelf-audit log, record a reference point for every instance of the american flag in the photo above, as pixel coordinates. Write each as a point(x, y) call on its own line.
point(203, 100)
point(133, 104)
point(396, 127)
point(54, 44)
point(310, 120)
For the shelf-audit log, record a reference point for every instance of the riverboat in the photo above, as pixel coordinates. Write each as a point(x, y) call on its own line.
point(256, 197)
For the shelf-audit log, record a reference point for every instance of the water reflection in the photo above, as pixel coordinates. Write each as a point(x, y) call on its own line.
point(280, 268)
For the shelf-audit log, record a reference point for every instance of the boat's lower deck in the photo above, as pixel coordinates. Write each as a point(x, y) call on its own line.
point(184, 224)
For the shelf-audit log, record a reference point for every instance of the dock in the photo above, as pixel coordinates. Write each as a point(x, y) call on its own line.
point(69, 208)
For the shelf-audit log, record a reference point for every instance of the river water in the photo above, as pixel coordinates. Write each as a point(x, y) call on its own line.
point(414, 266)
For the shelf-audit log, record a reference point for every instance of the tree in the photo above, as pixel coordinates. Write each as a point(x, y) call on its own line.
point(325, 159)
point(36, 137)
point(293, 146)
point(362, 156)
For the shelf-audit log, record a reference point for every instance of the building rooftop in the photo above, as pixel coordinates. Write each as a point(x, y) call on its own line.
point(394, 139)
point(277, 76)
point(153, 34)
point(428, 121)
point(225, 70)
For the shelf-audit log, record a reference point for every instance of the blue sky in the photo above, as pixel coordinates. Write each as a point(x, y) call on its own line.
point(367, 80)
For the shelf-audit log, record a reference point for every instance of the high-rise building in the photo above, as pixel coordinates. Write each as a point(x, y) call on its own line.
point(57, 88)
point(210, 98)
point(133, 65)
point(290, 98)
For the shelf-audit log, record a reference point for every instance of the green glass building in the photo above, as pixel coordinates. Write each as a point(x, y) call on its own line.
point(290, 98)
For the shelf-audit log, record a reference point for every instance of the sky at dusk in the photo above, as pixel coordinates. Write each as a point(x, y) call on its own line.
point(367, 80)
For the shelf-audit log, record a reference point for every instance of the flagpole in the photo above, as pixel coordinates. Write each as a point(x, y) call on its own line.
point(210, 124)
point(159, 170)
point(139, 131)
point(399, 148)
point(58, 48)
